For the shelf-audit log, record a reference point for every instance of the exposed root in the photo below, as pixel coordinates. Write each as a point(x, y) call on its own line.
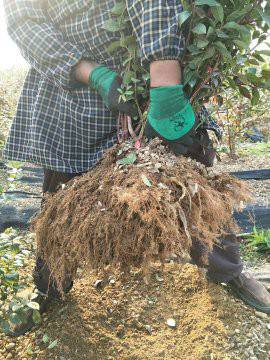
point(134, 214)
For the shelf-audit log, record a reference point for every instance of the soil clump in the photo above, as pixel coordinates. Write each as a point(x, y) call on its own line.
point(134, 207)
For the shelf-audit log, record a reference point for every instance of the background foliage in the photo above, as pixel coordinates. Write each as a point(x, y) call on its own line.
point(220, 49)
point(10, 88)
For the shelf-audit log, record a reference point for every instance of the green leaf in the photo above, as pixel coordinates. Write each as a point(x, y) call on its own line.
point(129, 92)
point(185, 4)
point(188, 73)
point(265, 18)
point(239, 13)
point(206, 2)
point(130, 159)
point(222, 49)
point(134, 80)
point(183, 16)
point(53, 344)
point(245, 35)
point(15, 164)
point(222, 34)
point(194, 63)
point(16, 319)
point(210, 32)
point(30, 350)
point(16, 307)
point(218, 13)
point(232, 26)
point(45, 338)
point(255, 97)
point(253, 62)
point(113, 46)
point(146, 181)
point(5, 327)
point(251, 70)
point(209, 53)
point(241, 44)
point(244, 91)
point(14, 276)
point(112, 25)
point(128, 76)
point(194, 50)
point(202, 43)
point(199, 29)
point(140, 90)
point(256, 34)
point(36, 317)
point(200, 12)
point(118, 8)
point(128, 41)
point(264, 52)
point(266, 73)
point(258, 57)
point(33, 305)
point(192, 82)
point(33, 296)
point(232, 83)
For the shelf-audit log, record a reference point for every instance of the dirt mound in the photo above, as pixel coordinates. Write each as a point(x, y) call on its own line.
point(134, 207)
point(128, 319)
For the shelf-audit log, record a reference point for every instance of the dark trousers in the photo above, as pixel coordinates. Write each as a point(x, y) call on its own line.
point(224, 259)
point(41, 274)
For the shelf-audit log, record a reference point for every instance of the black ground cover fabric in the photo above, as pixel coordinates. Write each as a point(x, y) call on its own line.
point(262, 174)
point(19, 206)
point(253, 215)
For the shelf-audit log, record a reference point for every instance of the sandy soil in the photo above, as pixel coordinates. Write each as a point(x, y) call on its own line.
point(128, 319)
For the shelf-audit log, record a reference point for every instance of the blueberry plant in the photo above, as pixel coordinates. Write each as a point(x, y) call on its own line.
point(16, 296)
point(221, 49)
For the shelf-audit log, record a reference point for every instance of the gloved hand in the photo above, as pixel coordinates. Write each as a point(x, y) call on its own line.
point(107, 82)
point(171, 118)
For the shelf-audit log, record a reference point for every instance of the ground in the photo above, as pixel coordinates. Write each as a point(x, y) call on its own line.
point(127, 319)
point(110, 317)
point(252, 157)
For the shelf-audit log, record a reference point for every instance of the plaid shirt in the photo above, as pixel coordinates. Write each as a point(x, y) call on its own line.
point(61, 124)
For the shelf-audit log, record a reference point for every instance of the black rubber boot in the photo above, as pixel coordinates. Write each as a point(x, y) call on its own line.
point(46, 284)
point(252, 292)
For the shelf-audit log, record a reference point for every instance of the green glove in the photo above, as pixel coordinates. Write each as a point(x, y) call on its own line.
point(171, 118)
point(106, 82)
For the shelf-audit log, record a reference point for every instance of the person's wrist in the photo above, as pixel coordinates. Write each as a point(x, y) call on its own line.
point(165, 73)
point(83, 71)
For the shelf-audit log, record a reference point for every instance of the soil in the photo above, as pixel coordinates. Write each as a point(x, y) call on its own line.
point(127, 319)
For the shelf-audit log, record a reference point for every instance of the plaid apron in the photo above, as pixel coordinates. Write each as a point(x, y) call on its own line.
point(60, 124)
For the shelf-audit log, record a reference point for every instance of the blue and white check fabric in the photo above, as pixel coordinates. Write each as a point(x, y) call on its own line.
point(60, 124)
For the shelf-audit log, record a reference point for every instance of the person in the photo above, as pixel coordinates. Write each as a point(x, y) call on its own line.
point(66, 115)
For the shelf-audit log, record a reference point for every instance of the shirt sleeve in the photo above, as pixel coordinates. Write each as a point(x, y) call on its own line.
point(155, 24)
point(41, 44)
